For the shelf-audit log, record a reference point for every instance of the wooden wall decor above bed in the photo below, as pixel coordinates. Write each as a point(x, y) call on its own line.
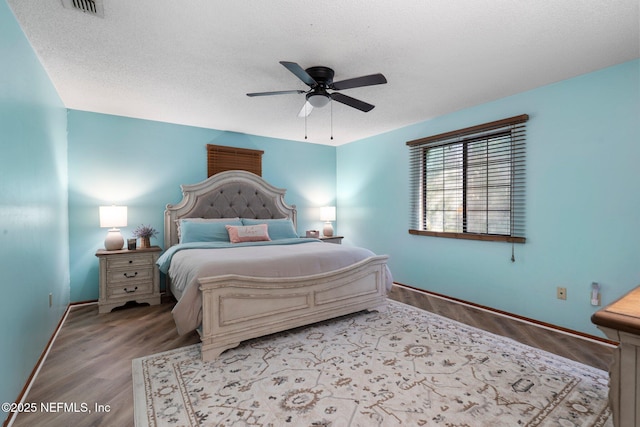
point(221, 158)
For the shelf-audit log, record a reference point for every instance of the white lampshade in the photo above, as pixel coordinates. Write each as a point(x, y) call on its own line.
point(113, 216)
point(327, 214)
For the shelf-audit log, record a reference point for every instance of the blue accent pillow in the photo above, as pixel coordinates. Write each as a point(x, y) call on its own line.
point(278, 228)
point(191, 231)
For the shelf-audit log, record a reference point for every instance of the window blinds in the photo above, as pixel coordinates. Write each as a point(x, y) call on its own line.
point(470, 183)
point(221, 158)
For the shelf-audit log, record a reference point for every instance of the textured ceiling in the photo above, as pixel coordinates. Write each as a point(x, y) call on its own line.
point(192, 62)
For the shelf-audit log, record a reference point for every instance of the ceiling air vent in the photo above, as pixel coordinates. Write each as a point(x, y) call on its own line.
point(90, 7)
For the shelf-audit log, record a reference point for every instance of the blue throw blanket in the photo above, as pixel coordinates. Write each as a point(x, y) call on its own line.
point(165, 259)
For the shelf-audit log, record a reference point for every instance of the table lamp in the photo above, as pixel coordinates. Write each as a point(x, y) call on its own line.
point(327, 214)
point(113, 217)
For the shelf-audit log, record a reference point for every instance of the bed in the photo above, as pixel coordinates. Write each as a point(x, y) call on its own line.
point(231, 292)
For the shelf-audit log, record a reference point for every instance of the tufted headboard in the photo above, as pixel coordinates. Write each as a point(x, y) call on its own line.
point(227, 194)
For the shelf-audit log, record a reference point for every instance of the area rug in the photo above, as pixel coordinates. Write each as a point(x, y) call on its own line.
point(403, 366)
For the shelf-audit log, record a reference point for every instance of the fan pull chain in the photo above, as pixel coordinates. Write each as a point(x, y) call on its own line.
point(305, 120)
point(331, 103)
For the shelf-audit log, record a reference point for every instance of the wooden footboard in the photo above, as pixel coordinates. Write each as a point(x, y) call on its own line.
point(237, 308)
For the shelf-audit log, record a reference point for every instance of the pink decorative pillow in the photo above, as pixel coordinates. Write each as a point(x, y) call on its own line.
point(248, 233)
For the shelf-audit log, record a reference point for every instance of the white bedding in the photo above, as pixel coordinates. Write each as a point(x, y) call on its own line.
point(273, 260)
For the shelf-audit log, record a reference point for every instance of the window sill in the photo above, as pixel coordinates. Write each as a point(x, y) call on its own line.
point(470, 236)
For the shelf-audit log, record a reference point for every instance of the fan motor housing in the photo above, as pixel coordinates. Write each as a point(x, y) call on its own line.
point(322, 75)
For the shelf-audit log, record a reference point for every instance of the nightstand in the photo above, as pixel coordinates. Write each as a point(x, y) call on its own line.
point(128, 276)
point(332, 239)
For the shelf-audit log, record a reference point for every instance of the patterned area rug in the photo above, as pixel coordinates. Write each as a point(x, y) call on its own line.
point(405, 366)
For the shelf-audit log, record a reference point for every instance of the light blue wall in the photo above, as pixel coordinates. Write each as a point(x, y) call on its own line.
point(141, 164)
point(34, 258)
point(583, 203)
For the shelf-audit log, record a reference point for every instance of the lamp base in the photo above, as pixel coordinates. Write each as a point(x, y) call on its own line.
point(327, 231)
point(114, 240)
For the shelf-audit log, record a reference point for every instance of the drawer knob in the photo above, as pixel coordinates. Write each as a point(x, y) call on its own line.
point(130, 276)
point(131, 291)
point(130, 261)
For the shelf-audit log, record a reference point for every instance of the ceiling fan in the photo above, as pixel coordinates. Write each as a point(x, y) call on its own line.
point(320, 80)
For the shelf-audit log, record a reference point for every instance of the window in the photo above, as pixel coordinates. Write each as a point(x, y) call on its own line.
point(221, 158)
point(469, 183)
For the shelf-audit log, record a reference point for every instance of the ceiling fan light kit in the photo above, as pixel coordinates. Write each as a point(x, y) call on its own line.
point(318, 100)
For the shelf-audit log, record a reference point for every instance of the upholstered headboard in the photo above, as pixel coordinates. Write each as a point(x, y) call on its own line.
point(227, 194)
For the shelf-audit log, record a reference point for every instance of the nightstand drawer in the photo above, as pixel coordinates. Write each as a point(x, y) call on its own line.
point(129, 275)
point(133, 260)
point(133, 289)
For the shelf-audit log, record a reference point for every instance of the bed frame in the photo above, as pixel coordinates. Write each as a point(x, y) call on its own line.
point(237, 308)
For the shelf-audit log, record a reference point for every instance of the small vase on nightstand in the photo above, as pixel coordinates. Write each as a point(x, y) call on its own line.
point(145, 233)
point(145, 242)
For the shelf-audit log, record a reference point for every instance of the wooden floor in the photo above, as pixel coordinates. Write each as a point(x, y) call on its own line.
point(90, 361)
point(590, 353)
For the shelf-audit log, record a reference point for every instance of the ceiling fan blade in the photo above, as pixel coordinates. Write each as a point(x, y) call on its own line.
point(306, 110)
point(279, 92)
point(352, 102)
point(370, 80)
point(299, 72)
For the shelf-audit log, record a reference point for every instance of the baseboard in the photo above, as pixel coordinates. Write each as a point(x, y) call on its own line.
point(512, 316)
point(86, 302)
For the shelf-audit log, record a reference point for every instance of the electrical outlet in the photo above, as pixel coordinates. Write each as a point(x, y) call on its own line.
point(595, 294)
point(561, 293)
